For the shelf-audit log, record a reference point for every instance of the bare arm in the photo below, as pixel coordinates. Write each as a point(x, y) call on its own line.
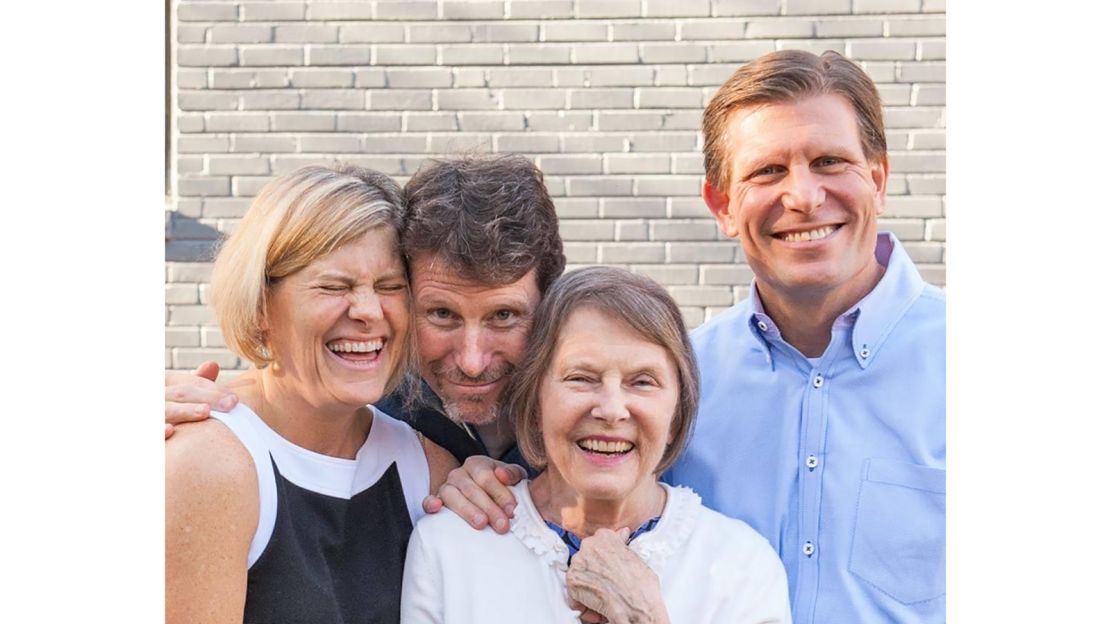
point(440, 463)
point(191, 398)
point(211, 516)
point(478, 492)
point(607, 578)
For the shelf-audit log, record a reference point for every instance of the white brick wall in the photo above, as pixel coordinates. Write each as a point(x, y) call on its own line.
point(606, 95)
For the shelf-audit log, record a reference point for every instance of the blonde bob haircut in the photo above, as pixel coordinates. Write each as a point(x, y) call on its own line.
point(295, 219)
point(635, 300)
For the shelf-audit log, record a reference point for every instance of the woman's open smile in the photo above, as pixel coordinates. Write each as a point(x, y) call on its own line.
point(607, 404)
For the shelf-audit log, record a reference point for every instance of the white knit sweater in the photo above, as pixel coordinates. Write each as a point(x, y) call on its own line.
point(712, 568)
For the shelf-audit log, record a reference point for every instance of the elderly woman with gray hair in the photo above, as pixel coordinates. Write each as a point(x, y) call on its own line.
point(297, 504)
point(602, 403)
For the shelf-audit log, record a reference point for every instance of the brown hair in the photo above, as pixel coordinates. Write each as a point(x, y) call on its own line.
point(635, 300)
point(295, 219)
point(489, 218)
point(784, 76)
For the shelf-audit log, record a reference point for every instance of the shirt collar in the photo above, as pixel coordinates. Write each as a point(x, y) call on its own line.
point(873, 317)
point(761, 326)
point(882, 308)
point(574, 543)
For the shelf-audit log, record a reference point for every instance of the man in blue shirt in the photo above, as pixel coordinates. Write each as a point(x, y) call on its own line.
point(821, 422)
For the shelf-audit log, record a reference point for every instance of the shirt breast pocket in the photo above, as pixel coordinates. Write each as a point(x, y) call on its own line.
point(898, 538)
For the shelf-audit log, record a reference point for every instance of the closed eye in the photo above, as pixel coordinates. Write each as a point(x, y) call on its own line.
point(391, 287)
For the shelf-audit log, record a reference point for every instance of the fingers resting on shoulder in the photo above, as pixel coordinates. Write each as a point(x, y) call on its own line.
point(478, 491)
point(192, 397)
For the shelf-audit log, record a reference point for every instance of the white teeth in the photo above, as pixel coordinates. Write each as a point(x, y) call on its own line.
point(601, 446)
point(812, 235)
point(357, 347)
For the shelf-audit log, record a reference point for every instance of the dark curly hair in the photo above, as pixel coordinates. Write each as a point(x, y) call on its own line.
point(490, 219)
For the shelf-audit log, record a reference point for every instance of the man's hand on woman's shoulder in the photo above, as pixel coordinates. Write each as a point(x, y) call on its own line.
point(192, 397)
point(478, 491)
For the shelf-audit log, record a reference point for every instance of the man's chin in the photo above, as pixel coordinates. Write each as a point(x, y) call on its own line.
point(470, 414)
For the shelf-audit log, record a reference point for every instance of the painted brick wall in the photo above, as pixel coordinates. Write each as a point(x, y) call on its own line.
point(606, 95)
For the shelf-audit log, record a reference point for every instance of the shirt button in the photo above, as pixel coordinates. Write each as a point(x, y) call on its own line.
point(818, 381)
point(811, 462)
point(809, 549)
point(762, 326)
point(865, 353)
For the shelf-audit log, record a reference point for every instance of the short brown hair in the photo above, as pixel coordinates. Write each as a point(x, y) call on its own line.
point(784, 76)
point(635, 300)
point(295, 219)
point(489, 218)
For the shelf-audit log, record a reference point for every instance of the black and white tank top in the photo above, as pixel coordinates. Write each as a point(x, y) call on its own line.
point(332, 533)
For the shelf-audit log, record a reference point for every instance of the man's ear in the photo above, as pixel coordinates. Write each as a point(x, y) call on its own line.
point(880, 173)
point(718, 204)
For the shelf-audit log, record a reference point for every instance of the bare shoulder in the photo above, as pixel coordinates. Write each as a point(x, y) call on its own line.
point(440, 463)
point(208, 468)
point(212, 507)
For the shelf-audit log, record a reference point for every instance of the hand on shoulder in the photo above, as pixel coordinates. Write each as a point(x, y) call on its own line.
point(478, 491)
point(192, 397)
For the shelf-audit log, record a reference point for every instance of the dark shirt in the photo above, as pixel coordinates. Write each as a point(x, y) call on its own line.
point(426, 415)
point(332, 559)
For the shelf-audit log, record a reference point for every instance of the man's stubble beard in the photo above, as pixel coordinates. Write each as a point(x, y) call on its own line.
point(470, 410)
point(460, 412)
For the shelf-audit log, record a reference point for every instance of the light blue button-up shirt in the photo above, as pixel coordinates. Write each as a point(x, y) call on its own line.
point(838, 463)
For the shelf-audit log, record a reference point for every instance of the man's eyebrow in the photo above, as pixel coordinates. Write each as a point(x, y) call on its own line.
point(751, 163)
point(425, 299)
point(510, 300)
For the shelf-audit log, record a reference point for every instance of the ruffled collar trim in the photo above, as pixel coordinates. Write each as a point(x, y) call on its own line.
point(655, 547)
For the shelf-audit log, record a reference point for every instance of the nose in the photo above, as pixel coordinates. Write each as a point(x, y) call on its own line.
point(471, 356)
point(365, 306)
point(804, 191)
point(611, 404)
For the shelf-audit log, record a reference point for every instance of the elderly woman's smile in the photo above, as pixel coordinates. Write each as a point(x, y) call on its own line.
point(604, 445)
point(606, 408)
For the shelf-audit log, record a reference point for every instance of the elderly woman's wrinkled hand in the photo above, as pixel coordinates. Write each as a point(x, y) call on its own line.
point(610, 580)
